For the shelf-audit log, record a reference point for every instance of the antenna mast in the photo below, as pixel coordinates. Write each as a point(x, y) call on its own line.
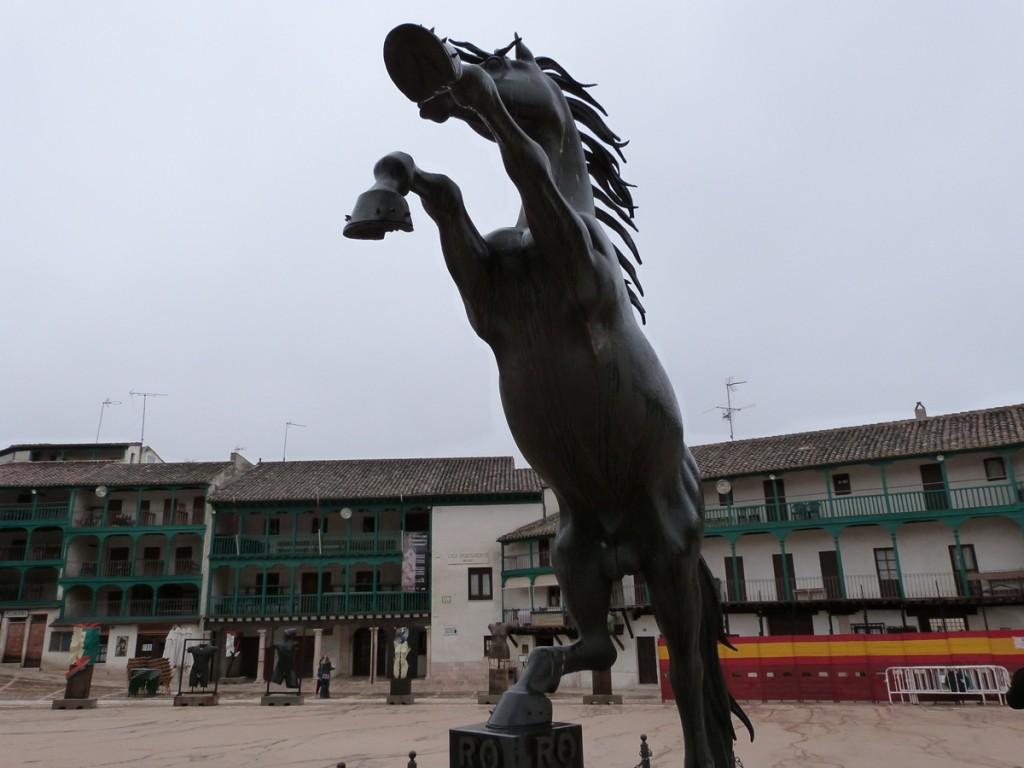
point(284, 451)
point(728, 409)
point(103, 407)
point(144, 396)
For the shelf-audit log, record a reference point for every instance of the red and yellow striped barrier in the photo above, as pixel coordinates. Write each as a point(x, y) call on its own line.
point(847, 667)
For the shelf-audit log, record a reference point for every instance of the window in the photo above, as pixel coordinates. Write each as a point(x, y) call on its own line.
point(273, 526)
point(948, 625)
point(60, 641)
point(555, 597)
point(841, 485)
point(115, 505)
point(725, 499)
point(995, 469)
point(318, 523)
point(544, 550)
point(480, 584)
point(867, 629)
point(101, 653)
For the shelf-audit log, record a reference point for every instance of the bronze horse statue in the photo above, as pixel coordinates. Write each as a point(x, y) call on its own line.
point(586, 399)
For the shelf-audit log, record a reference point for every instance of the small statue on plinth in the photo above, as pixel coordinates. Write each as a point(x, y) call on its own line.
point(402, 665)
point(202, 665)
point(284, 671)
point(85, 647)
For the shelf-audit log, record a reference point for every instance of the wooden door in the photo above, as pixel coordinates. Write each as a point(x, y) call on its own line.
point(34, 649)
point(829, 561)
point(735, 581)
point(935, 495)
point(775, 499)
point(647, 660)
point(15, 640)
point(785, 583)
point(970, 566)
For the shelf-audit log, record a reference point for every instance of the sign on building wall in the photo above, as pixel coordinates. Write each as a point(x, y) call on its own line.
point(469, 558)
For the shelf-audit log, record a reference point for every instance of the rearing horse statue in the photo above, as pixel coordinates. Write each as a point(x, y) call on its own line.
point(586, 399)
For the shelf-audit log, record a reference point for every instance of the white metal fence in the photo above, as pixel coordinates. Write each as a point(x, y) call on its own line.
point(984, 681)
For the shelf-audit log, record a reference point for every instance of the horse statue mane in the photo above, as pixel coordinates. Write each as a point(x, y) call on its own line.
point(609, 188)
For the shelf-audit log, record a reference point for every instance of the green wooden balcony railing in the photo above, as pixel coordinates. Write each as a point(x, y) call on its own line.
point(331, 603)
point(867, 505)
point(145, 608)
point(246, 547)
point(39, 513)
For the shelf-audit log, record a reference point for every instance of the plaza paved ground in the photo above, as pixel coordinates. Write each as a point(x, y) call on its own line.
point(358, 728)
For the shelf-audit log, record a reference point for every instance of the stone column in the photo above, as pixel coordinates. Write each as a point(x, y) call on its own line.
point(261, 655)
point(318, 636)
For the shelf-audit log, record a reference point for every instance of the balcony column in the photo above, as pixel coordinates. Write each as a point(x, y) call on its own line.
point(263, 592)
point(899, 567)
point(736, 587)
point(964, 587)
point(785, 572)
point(72, 500)
point(318, 636)
point(828, 492)
point(885, 489)
point(839, 568)
point(266, 532)
point(174, 507)
point(293, 590)
point(238, 589)
point(295, 527)
point(138, 506)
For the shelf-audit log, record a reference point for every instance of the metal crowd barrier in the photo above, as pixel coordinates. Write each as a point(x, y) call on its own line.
point(960, 682)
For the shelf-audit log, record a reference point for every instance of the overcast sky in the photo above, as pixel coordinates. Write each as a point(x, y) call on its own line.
point(831, 209)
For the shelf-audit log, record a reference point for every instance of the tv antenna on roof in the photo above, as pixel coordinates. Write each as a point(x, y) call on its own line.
point(287, 424)
point(103, 407)
point(144, 396)
point(729, 409)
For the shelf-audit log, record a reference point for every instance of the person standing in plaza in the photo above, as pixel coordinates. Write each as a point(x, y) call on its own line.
point(323, 676)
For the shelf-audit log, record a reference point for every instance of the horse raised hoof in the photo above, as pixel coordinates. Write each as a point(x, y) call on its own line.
point(377, 212)
point(419, 62)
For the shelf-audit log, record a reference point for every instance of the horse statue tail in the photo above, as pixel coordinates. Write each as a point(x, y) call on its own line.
point(719, 705)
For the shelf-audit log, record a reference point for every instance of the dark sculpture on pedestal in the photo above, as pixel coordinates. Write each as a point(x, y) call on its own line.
point(587, 400)
point(284, 670)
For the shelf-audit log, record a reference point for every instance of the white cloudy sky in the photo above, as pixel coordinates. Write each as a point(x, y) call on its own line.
point(831, 209)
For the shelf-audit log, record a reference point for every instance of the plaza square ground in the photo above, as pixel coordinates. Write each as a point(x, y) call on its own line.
point(357, 727)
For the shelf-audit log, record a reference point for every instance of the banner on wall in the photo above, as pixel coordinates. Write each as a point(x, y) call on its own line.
point(414, 562)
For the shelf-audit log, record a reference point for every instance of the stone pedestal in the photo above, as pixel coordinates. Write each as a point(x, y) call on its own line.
point(74, 704)
point(281, 700)
point(602, 698)
point(488, 698)
point(401, 699)
point(196, 699)
point(558, 745)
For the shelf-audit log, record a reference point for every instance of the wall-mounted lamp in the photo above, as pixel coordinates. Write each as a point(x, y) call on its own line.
point(940, 457)
point(771, 477)
point(346, 513)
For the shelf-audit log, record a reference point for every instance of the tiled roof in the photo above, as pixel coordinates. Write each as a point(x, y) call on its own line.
point(84, 473)
point(380, 478)
point(538, 529)
point(41, 446)
point(973, 430)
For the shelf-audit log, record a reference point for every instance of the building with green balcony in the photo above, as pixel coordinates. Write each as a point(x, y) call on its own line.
point(911, 525)
point(121, 545)
point(347, 551)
